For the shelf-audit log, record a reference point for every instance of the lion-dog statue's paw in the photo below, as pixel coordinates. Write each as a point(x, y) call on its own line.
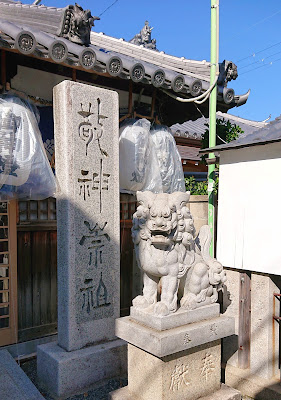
point(189, 302)
point(161, 309)
point(141, 302)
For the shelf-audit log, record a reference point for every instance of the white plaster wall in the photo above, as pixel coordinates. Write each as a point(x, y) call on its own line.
point(34, 82)
point(249, 211)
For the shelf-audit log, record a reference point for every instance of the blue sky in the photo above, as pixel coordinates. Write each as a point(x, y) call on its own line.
point(182, 28)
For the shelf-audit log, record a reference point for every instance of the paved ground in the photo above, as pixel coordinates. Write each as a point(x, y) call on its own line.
point(98, 393)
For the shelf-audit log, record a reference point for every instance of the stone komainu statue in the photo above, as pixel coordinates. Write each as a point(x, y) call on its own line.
point(166, 248)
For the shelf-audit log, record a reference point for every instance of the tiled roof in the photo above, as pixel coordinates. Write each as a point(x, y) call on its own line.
point(195, 129)
point(33, 30)
point(271, 132)
point(189, 153)
point(196, 69)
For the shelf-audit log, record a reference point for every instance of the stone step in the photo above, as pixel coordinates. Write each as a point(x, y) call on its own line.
point(225, 393)
point(14, 384)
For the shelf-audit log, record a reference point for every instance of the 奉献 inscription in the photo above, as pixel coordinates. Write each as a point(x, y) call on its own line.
point(208, 366)
point(179, 377)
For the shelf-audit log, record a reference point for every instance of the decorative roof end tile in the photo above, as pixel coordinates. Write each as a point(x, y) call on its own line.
point(76, 24)
point(228, 72)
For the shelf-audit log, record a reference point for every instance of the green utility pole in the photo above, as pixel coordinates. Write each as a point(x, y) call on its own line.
point(212, 113)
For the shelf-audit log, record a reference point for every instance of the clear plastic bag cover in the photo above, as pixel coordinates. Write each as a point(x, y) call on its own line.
point(169, 160)
point(25, 172)
point(139, 168)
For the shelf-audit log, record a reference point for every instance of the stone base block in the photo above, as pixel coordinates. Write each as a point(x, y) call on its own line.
point(187, 375)
point(179, 318)
point(251, 385)
point(224, 393)
point(66, 373)
point(170, 341)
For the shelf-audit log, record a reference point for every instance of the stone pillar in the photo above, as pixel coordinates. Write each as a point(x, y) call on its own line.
point(231, 309)
point(260, 380)
point(87, 170)
point(175, 357)
point(264, 335)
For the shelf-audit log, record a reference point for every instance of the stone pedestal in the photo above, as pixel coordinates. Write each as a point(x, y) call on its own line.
point(175, 363)
point(88, 224)
point(68, 372)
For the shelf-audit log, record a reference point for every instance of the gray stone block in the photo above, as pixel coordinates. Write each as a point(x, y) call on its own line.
point(179, 318)
point(87, 170)
point(162, 343)
point(14, 384)
point(67, 373)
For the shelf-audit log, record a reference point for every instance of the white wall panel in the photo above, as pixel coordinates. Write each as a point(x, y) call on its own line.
point(249, 212)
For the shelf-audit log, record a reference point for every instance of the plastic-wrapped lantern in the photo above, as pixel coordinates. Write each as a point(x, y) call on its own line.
point(16, 147)
point(138, 163)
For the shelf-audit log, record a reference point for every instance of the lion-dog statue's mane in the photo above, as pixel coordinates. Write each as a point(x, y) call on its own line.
point(166, 248)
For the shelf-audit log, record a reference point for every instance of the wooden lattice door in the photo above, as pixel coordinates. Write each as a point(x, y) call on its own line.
point(8, 274)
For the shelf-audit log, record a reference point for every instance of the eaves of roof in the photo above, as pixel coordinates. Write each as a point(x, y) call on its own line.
point(218, 149)
point(242, 121)
point(270, 133)
point(32, 30)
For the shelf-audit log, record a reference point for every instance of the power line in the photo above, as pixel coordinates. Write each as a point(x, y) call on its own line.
point(258, 52)
point(264, 19)
point(252, 26)
point(262, 60)
point(109, 7)
point(264, 65)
